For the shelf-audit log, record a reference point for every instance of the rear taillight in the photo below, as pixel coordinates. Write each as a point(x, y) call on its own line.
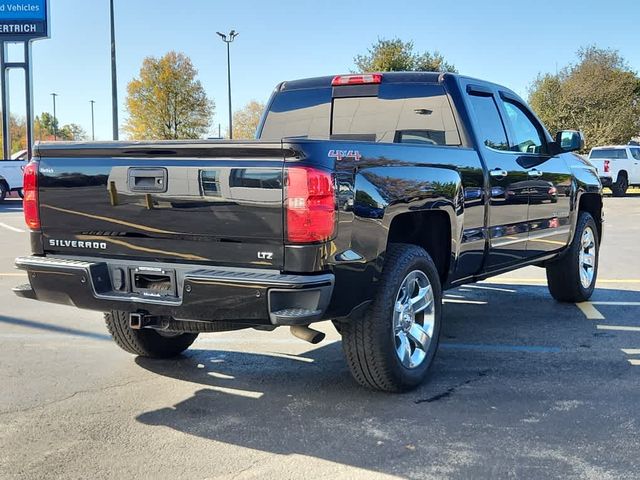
point(30, 201)
point(310, 205)
point(606, 166)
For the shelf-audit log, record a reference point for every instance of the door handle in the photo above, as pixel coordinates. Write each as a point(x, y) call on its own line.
point(535, 173)
point(498, 173)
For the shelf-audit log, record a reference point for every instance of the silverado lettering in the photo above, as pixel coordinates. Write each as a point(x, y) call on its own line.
point(77, 244)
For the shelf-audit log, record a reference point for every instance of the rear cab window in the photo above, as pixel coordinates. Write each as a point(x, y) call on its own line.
point(609, 153)
point(416, 113)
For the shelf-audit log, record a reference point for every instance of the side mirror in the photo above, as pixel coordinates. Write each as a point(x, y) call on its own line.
point(569, 141)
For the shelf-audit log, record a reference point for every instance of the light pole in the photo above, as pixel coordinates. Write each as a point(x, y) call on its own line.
point(114, 76)
point(93, 123)
point(55, 118)
point(228, 39)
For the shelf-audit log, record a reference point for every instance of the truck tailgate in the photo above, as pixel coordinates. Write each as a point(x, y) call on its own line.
point(186, 202)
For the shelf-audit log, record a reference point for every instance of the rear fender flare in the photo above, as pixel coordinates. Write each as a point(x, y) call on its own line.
point(383, 193)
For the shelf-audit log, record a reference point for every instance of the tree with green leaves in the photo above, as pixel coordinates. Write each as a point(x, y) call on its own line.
point(47, 128)
point(72, 132)
point(167, 101)
point(396, 55)
point(599, 95)
point(245, 120)
point(18, 132)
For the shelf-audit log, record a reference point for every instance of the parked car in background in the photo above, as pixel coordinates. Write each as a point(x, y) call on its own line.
point(618, 167)
point(11, 174)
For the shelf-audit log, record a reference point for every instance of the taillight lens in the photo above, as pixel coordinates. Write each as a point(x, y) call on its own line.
point(30, 200)
point(359, 79)
point(606, 166)
point(310, 205)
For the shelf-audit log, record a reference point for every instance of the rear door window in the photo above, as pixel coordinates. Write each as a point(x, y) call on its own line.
point(489, 122)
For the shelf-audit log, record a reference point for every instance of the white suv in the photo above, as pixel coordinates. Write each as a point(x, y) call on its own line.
point(618, 167)
point(11, 174)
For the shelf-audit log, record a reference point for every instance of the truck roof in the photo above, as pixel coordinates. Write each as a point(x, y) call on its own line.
point(389, 77)
point(607, 147)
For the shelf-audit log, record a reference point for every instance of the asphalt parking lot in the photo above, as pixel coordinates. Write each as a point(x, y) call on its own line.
point(522, 387)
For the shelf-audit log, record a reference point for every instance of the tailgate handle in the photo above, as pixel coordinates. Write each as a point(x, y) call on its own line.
point(148, 180)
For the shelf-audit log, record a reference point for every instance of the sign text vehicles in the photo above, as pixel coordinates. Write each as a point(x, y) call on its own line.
point(24, 19)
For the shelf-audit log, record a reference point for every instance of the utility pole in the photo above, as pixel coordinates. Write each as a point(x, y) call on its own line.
point(228, 39)
point(114, 76)
point(93, 123)
point(55, 118)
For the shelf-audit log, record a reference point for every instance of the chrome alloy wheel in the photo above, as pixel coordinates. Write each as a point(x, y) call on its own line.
point(413, 319)
point(587, 257)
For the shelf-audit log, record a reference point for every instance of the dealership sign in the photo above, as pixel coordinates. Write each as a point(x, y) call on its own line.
point(24, 19)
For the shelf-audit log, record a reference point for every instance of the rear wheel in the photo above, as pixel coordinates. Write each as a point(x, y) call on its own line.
point(393, 345)
point(146, 342)
point(20, 192)
point(572, 278)
point(4, 190)
point(619, 188)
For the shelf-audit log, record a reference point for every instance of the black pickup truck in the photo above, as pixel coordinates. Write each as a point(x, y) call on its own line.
point(363, 198)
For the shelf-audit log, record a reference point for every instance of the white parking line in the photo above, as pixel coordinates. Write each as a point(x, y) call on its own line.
point(470, 302)
point(236, 391)
point(590, 311)
point(9, 227)
point(482, 287)
point(631, 351)
point(634, 362)
point(621, 328)
point(621, 304)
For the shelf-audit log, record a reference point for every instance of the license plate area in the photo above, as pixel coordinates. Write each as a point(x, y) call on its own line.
point(153, 282)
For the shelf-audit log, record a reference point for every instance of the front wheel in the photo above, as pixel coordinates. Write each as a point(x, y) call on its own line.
point(146, 342)
point(572, 278)
point(393, 345)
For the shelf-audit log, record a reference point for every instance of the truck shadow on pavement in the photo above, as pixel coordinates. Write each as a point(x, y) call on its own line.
point(512, 380)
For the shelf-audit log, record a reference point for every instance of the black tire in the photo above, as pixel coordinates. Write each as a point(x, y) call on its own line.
point(20, 192)
point(619, 189)
point(4, 190)
point(368, 341)
point(145, 342)
point(563, 275)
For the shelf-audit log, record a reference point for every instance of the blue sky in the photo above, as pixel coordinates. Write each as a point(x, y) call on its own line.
point(506, 41)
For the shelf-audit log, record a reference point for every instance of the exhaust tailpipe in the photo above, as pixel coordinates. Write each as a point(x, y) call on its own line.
point(303, 332)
